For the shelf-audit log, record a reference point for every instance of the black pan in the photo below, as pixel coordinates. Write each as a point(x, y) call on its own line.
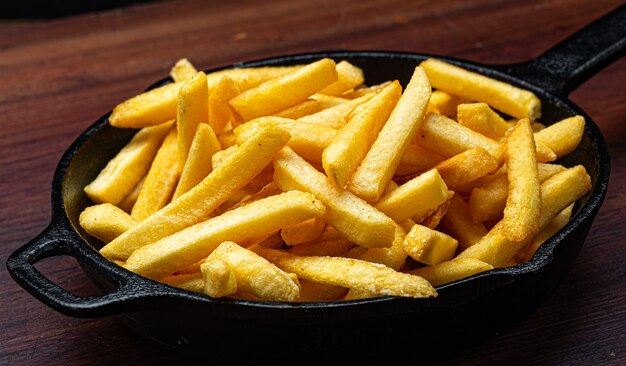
point(466, 310)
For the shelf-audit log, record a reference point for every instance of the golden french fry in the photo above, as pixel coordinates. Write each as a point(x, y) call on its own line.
point(383, 158)
point(220, 157)
point(105, 221)
point(198, 164)
point(458, 223)
point(451, 271)
point(466, 167)
point(183, 70)
point(219, 277)
point(303, 232)
point(220, 111)
point(255, 275)
point(263, 217)
point(160, 181)
point(328, 101)
point(199, 202)
point(193, 109)
point(332, 248)
point(343, 155)
point(393, 257)
point(129, 201)
point(433, 220)
point(417, 159)
point(351, 273)
point(285, 91)
point(563, 136)
point(557, 192)
point(349, 76)
point(250, 77)
point(523, 205)
point(481, 118)
point(502, 96)
point(526, 253)
point(417, 198)
point(362, 90)
point(312, 291)
point(335, 116)
point(429, 246)
point(351, 216)
point(125, 170)
point(190, 282)
point(444, 103)
point(305, 108)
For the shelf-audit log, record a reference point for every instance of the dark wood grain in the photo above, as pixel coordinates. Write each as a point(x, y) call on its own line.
point(57, 76)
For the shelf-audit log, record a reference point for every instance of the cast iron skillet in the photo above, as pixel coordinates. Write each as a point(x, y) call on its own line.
point(466, 310)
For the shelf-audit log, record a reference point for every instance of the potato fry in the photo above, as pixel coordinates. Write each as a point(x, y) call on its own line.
point(482, 119)
point(303, 232)
point(219, 277)
point(191, 282)
point(351, 216)
point(393, 257)
point(429, 246)
point(466, 167)
point(105, 221)
point(523, 205)
point(351, 273)
point(333, 248)
point(458, 223)
point(198, 203)
point(220, 111)
point(383, 158)
point(349, 76)
point(193, 109)
point(444, 103)
point(129, 201)
point(249, 77)
point(198, 164)
point(502, 96)
point(255, 275)
point(451, 271)
point(417, 159)
point(557, 192)
point(312, 291)
point(160, 181)
point(563, 136)
point(343, 155)
point(263, 217)
point(433, 220)
point(125, 170)
point(220, 157)
point(526, 253)
point(285, 91)
point(305, 108)
point(183, 70)
point(335, 116)
point(328, 101)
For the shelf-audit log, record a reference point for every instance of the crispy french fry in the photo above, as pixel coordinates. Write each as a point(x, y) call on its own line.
point(305, 108)
point(227, 139)
point(312, 291)
point(333, 248)
point(526, 253)
point(433, 220)
point(219, 277)
point(417, 198)
point(349, 146)
point(220, 157)
point(220, 111)
point(129, 201)
point(458, 223)
point(335, 116)
point(303, 232)
point(353, 217)
point(198, 164)
point(417, 159)
point(263, 217)
point(451, 271)
point(351, 273)
point(190, 282)
point(160, 181)
point(328, 101)
point(193, 109)
point(502, 96)
point(250, 77)
point(105, 221)
point(125, 170)
point(349, 76)
point(393, 257)
point(444, 103)
point(285, 91)
point(523, 205)
point(563, 136)
point(183, 70)
point(383, 158)
point(481, 118)
point(466, 167)
point(255, 275)
point(429, 246)
point(199, 202)
point(557, 192)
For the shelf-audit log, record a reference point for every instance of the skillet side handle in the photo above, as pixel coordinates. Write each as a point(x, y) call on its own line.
point(51, 243)
point(567, 65)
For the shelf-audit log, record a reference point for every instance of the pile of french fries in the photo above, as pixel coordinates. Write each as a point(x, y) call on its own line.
point(302, 183)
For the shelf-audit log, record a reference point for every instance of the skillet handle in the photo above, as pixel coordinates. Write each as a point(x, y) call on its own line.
point(51, 242)
point(567, 65)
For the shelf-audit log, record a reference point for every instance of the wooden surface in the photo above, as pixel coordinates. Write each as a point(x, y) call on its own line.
point(58, 76)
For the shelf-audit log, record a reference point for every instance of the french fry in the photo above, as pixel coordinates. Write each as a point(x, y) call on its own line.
point(334, 116)
point(343, 155)
point(303, 232)
point(219, 157)
point(255, 275)
point(193, 109)
point(129, 201)
point(349, 76)
point(502, 96)
point(481, 118)
point(198, 164)
point(160, 181)
point(219, 277)
point(263, 217)
point(444, 103)
point(417, 198)
point(417, 159)
point(466, 167)
point(220, 112)
point(352, 217)
point(557, 192)
point(563, 136)
point(249, 77)
point(433, 220)
point(125, 170)
point(351, 273)
point(105, 221)
point(523, 205)
point(526, 253)
point(285, 91)
point(199, 202)
point(305, 108)
point(383, 158)
point(328, 101)
point(429, 246)
point(191, 282)
point(458, 223)
point(312, 292)
point(451, 271)
point(332, 248)
point(183, 70)
point(393, 257)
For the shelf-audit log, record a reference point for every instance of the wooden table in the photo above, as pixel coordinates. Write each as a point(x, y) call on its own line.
point(58, 76)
